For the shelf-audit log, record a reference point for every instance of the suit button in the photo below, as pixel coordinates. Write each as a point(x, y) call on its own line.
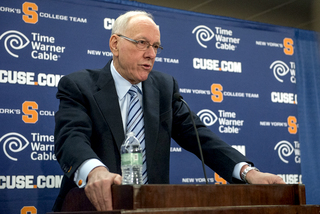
point(65, 168)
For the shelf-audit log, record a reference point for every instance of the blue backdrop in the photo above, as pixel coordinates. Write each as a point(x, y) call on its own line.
point(253, 84)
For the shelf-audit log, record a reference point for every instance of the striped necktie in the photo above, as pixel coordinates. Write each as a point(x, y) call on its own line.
point(135, 124)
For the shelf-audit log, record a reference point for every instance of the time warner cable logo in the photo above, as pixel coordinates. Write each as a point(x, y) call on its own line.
point(43, 46)
point(207, 117)
point(285, 149)
point(203, 33)
point(225, 39)
point(280, 69)
point(228, 122)
point(15, 40)
point(15, 142)
point(41, 145)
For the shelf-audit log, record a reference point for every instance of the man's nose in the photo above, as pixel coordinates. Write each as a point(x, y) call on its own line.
point(151, 52)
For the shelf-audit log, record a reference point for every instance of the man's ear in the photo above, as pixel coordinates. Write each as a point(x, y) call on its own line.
point(113, 44)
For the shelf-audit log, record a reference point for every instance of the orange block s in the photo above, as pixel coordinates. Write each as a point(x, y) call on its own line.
point(288, 46)
point(216, 90)
point(29, 9)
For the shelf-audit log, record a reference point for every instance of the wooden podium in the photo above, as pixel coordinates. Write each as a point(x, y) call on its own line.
point(196, 199)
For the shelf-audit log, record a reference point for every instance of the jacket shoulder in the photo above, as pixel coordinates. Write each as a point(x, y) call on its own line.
point(157, 77)
point(84, 75)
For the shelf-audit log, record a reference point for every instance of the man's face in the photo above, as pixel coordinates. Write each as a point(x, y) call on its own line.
point(132, 63)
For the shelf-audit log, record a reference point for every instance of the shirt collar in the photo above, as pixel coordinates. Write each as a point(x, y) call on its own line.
point(122, 85)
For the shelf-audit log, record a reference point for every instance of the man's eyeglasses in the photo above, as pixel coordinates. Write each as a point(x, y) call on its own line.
point(143, 44)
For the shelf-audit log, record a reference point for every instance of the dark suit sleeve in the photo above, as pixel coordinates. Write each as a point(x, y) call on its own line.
point(218, 155)
point(73, 127)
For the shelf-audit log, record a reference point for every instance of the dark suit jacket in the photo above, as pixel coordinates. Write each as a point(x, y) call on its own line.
point(89, 125)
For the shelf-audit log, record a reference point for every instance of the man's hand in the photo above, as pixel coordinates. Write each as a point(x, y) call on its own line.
point(98, 189)
point(255, 177)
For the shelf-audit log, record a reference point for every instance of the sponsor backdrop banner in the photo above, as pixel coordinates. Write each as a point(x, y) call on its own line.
point(239, 77)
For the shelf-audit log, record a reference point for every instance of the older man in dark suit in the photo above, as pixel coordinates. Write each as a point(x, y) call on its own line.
point(92, 117)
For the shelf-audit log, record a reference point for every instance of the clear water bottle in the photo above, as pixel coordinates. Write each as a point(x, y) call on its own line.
point(131, 160)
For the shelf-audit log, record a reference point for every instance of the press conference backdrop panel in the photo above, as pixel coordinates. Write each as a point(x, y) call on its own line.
point(238, 76)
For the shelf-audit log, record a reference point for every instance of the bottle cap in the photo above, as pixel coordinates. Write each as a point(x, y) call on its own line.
point(131, 134)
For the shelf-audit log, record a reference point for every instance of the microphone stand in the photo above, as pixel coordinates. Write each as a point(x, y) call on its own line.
point(180, 98)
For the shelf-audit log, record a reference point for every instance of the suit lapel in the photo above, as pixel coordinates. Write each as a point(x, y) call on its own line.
point(107, 100)
point(151, 117)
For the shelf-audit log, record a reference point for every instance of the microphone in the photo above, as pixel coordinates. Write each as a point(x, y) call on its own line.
point(180, 98)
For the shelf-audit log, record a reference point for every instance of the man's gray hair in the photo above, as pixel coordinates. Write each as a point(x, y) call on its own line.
point(121, 23)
